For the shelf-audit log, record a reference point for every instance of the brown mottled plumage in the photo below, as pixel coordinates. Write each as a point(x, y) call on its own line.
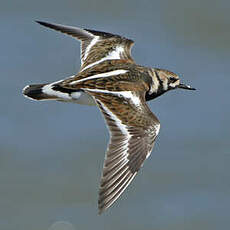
point(110, 79)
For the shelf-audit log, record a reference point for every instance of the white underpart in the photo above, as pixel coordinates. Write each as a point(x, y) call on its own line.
point(101, 75)
point(91, 44)
point(115, 54)
point(128, 95)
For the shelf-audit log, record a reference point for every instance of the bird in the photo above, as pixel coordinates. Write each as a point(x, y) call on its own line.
point(110, 79)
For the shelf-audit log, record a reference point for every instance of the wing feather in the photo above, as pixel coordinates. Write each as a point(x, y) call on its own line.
point(130, 143)
point(96, 46)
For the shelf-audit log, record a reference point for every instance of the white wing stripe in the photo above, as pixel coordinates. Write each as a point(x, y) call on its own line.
point(125, 132)
point(126, 94)
point(91, 44)
point(101, 75)
point(92, 64)
point(117, 121)
point(115, 54)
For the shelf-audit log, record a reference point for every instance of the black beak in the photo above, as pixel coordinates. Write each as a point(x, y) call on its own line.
point(183, 86)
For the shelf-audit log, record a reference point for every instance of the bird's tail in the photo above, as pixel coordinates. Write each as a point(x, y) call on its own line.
point(37, 92)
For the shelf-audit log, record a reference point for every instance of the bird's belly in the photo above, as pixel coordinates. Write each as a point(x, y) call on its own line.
point(82, 98)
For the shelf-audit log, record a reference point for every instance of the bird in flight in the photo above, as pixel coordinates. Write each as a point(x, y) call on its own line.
point(110, 79)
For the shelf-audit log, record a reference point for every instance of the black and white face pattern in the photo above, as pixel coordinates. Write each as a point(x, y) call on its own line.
point(163, 81)
point(173, 82)
point(167, 79)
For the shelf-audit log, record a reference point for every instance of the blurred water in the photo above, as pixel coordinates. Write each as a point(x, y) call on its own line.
point(51, 154)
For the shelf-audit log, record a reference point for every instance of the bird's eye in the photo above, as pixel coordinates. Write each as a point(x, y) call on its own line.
point(173, 79)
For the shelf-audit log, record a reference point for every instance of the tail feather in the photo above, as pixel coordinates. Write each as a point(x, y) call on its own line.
point(35, 92)
point(55, 91)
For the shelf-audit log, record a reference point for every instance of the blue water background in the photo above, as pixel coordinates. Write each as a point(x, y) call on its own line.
point(51, 154)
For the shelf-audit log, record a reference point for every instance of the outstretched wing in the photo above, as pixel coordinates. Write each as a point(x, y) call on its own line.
point(133, 130)
point(96, 46)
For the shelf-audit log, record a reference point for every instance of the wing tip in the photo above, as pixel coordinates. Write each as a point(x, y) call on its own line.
point(102, 207)
point(100, 211)
point(48, 24)
point(42, 22)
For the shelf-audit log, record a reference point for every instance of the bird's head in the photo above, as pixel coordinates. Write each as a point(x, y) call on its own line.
point(169, 80)
point(163, 81)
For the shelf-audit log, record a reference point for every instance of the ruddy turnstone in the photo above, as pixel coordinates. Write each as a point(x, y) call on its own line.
point(110, 79)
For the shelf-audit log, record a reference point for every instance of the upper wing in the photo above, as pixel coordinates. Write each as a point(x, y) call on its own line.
point(96, 46)
point(133, 130)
